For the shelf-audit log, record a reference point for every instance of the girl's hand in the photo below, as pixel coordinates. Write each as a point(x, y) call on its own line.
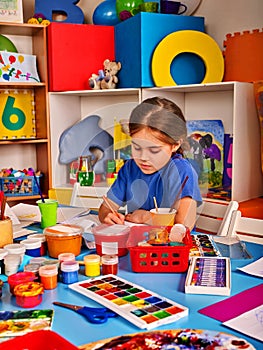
point(139, 216)
point(114, 218)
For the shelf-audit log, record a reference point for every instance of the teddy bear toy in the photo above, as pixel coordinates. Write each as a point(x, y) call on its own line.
point(106, 78)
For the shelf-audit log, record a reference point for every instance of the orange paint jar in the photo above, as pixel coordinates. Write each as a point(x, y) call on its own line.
point(49, 276)
point(63, 238)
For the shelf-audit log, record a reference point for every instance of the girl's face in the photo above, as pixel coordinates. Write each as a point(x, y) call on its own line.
point(149, 153)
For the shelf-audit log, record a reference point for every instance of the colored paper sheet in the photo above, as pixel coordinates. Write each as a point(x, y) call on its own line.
point(235, 305)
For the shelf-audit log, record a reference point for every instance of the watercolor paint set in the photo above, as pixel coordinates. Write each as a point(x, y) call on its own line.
point(208, 275)
point(143, 308)
point(203, 245)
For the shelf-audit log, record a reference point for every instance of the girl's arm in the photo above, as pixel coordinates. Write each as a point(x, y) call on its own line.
point(106, 215)
point(186, 212)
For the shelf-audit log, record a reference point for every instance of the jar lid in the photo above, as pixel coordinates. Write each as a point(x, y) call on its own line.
point(68, 266)
point(15, 248)
point(39, 236)
point(29, 289)
point(31, 243)
point(32, 267)
point(21, 277)
point(48, 262)
point(38, 260)
point(109, 259)
point(66, 256)
point(3, 253)
point(12, 259)
point(48, 270)
point(63, 230)
point(92, 258)
point(110, 230)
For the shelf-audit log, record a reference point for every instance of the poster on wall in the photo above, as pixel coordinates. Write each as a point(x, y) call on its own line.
point(11, 11)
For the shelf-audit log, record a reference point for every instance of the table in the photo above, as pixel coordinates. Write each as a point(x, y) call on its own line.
point(78, 331)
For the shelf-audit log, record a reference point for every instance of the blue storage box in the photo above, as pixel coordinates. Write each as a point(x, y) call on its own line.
point(19, 186)
point(136, 39)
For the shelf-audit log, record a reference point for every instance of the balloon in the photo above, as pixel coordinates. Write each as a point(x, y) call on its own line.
point(12, 59)
point(105, 13)
point(21, 59)
point(126, 5)
point(6, 44)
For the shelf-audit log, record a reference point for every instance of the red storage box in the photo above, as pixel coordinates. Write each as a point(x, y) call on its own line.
point(157, 258)
point(38, 340)
point(75, 51)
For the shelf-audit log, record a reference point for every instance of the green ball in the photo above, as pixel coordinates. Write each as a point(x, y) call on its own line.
point(6, 44)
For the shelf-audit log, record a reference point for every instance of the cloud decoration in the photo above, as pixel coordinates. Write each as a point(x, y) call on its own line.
point(78, 139)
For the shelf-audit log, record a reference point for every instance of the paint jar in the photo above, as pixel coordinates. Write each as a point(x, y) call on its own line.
point(18, 278)
point(48, 262)
point(69, 271)
point(42, 238)
point(12, 262)
point(29, 294)
point(6, 232)
point(111, 239)
point(92, 265)
point(32, 246)
point(109, 264)
point(1, 287)
point(63, 238)
point(33, 268)
point(66, 257)
point(38, 260)
point(49, 276)
point(3, 254)
point(17, 249)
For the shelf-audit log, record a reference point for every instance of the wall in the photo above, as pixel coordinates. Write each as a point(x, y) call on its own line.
point(221, 16)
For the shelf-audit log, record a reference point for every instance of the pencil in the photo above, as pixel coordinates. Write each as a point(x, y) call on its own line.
point(109, 205)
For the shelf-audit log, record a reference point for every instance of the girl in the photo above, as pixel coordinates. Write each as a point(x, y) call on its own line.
point(157, 168)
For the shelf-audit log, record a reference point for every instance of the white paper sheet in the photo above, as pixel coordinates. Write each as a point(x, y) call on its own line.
point(255, 268)
point(249, 323)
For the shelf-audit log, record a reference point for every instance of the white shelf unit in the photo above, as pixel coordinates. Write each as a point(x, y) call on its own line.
point(231, 102)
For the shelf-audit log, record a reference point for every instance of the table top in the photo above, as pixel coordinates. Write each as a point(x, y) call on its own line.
point(78, 331)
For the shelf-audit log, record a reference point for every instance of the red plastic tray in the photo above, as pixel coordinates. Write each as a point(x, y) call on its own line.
point(38, 340)
point(157, 258)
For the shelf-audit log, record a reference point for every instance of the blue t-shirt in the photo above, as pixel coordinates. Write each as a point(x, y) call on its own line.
point(136, 189)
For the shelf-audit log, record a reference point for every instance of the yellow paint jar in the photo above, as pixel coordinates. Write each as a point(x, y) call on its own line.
point(92, 265)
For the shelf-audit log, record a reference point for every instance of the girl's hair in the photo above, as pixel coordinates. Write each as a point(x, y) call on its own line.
point(162, 117)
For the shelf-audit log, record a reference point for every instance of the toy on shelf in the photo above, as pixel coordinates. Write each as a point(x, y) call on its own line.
point(39, 18)
point(106, 78)
point(106, 13)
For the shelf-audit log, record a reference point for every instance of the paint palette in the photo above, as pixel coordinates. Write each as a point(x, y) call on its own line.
point(203, 245)
point(145, 309)
point(208, 275)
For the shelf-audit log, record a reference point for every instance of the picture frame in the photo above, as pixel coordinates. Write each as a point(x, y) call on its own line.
point(11, 11)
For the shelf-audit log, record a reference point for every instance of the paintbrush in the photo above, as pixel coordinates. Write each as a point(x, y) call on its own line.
point(3, 205)
point(179, 193)
point(38, 187)
point(155, 204)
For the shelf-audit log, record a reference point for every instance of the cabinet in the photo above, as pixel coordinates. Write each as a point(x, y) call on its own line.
point(25, 153)
point(231, 102)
